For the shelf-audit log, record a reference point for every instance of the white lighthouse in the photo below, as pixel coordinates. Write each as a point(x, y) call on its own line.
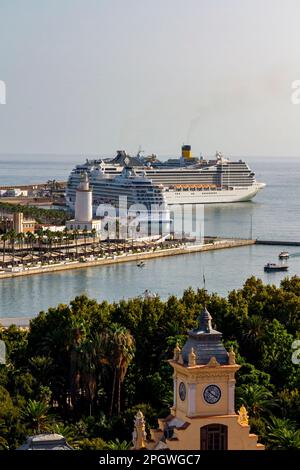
point(84, 209)
point(84, 203)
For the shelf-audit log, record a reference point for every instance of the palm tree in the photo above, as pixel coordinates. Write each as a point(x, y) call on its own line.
point(257, 398)
point(87, 366)
point(65, 430)
point(94, 233)
point(40, 235)
point(49, 235)
point(12, 238)
point(86, 358)
point(122, 349)
point(59, 237)
point(255, 328)
point(31, 238)
point(85, 234)
point(75, 234)
point(117, 445)
point(20, 239)
point(282, 435)
point(66, 233)
point(42, 368)
point(35, 415)
point(4, 239)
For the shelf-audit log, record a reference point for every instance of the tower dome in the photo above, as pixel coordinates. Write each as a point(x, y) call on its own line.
point(205, 342)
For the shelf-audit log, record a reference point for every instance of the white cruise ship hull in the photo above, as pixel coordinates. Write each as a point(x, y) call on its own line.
point(208, 196)
point(212, 196)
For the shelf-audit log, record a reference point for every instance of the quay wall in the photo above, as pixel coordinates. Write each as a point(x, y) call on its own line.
point(183, 250)
point(277, 243)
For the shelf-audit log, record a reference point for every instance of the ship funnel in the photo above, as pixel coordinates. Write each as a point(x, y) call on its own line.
point(186, 151)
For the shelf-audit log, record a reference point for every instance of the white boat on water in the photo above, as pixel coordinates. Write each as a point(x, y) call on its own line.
point(284, 255)
point(273, 267)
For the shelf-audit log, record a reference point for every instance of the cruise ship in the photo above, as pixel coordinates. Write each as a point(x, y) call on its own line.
point(134, 197)
point(185, 180)
point(136, 190)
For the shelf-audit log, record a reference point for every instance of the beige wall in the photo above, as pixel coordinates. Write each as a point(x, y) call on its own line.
point(238, 435)
point(200, 378)
point(195, 411)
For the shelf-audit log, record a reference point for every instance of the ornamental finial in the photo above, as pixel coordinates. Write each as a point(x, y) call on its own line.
point(243, 418)
point(139, 435)
point(192, 358)
point(231, 356)
point(177, 352)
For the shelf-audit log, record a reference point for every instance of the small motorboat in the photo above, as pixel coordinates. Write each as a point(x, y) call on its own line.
point(140, 264)
point(147, 294)
point(284, 255)
point(270, 267)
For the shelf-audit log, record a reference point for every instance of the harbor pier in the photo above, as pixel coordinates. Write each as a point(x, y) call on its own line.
point(147, 253)
point(277, 243)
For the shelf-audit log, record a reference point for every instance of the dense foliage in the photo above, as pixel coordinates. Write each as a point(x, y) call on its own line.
point(46, 216)
point(85, 369)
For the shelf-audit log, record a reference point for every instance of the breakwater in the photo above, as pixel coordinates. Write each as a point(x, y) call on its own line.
point(277, 243)
point(126, 257)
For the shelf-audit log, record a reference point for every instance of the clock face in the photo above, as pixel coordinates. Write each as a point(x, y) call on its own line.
point(182, 391)
point(212, 394)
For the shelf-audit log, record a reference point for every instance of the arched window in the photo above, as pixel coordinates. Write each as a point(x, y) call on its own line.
point(214, 437)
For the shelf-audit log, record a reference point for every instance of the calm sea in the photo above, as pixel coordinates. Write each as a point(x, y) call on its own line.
point(273, 214)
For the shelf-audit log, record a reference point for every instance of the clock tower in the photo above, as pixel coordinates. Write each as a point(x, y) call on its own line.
point(203, 413)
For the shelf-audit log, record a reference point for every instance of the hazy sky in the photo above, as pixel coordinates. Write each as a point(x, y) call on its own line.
point(93, 76)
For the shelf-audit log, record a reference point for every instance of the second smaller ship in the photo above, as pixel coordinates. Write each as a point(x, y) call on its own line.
point(284, 255)
point(271, 267)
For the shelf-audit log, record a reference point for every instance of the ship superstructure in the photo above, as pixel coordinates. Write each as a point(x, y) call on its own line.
point(186, 180)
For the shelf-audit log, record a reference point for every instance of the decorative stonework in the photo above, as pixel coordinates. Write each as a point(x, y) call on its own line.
point(177, 352)
point(231, 356)
point(199, 372)
point(139, 434)
point(212, 362)
point(243, 418)
point(192, 358)
point(180, 359)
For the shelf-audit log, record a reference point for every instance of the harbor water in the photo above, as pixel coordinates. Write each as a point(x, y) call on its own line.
point(274, 215)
